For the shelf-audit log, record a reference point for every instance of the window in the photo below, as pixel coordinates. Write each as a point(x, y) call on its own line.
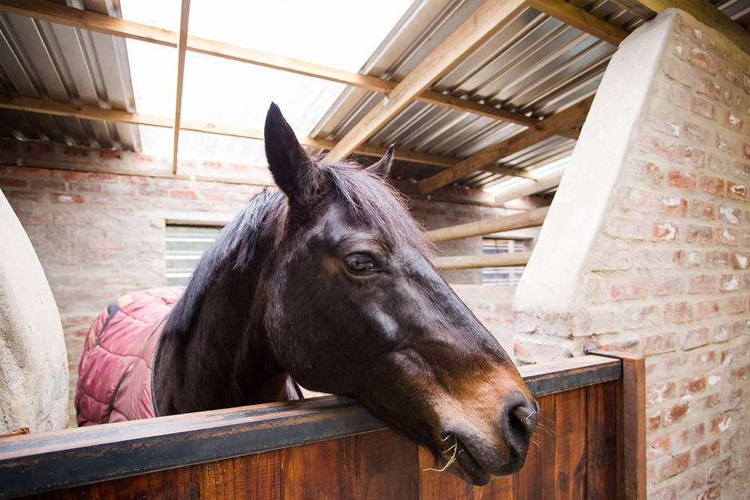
point(502, 275)
point(185, 246)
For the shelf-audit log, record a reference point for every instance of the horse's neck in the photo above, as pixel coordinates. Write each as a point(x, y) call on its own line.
point(224, 359)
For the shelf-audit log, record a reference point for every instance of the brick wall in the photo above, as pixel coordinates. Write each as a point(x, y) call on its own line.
point(665, 272)
point(99, 235)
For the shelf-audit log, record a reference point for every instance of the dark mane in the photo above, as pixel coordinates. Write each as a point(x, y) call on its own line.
point(365, 196)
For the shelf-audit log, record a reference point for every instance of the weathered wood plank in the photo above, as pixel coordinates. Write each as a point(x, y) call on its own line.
point(320, 470)
point(570, 447)
point(385, 465)
point(603, 422)
point(536, 480)
point(63, 459)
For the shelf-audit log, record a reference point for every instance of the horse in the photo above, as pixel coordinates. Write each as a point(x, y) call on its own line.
point(328, 282)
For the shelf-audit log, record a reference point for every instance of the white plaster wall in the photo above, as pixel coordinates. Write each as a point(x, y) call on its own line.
point(33, 361)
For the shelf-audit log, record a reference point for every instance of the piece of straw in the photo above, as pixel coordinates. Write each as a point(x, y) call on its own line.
point(453, 457)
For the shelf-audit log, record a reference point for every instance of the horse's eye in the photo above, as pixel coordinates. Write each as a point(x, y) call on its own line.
point(361, 263)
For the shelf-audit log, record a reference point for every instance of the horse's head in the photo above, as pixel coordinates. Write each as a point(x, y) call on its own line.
point(356, 308)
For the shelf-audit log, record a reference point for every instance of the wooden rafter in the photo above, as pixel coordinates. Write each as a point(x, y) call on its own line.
point(579, 18)
point(181, 48)
point(481, 261)
point(112, 115)
point(523, 220)
point(475, 30)
point(569, 119)
point(92, 21)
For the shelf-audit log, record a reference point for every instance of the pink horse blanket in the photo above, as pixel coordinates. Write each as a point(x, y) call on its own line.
point(114, 375)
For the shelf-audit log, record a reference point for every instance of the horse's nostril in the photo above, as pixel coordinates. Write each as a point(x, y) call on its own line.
point(523, 418)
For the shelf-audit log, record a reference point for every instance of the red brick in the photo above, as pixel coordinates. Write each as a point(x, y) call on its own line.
point(717, 259)
point(726, 236)
point(680, 178)
point(711, 185)
point(695, 338)
point(703, 60)
point(708, 88)
point(708, 309)
point(626, 291)
point(653, 144)
point(659, 343)
point(719, 470)
point(635, 199)
point(695, 385)
point(691, 156)
point(658, 393)
point(746, 151)
point(730, 214)
point(699, 234)
point(696, 133)
point(703, 108)
point(67, 198)
point(702, 209)
point(736, 191)
point(658, 446)
point(665, 126)
point(704, 283)
point(740, 260)
point(13, 183)
point(735, 305)
point(706, 451)
point(733, 121)
point(730, 282)
point(678, 312)
point(671, 205)
point(667, 285)
point(665, 231)
point(184, 194)
point(674, 465)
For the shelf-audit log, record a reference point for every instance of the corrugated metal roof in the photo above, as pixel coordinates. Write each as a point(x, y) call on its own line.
point(737, 10)
point(534, 64)
point(48, 61)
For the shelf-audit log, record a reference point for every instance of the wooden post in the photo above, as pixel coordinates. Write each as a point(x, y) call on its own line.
point(482, 261)
point(181, 48)
point(633, 421)
point(533, 218)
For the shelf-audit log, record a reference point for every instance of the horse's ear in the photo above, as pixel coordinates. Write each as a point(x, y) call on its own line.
point(383, 165)
point(293, 170)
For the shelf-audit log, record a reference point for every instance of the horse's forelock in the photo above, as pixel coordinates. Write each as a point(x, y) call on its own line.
point(374, 202)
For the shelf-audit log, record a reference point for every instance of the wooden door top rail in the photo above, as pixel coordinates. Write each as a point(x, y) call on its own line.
point(37, 463)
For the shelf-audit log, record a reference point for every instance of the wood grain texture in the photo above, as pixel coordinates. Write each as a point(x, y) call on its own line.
point(536, 481)
point(579, 18)
point(603, 460)
point(322, 448)
point(571, 444)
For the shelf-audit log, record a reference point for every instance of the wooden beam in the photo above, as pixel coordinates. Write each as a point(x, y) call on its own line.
point(113, 115)
point(472, 33)
point(481, 261)
point(633, 424)
point(533, 218)
point(579, 18)
point(527, 189)
point(571, 118)
point(181, 47)
point(705, 13)
point(92, 21)
point(636, 8)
